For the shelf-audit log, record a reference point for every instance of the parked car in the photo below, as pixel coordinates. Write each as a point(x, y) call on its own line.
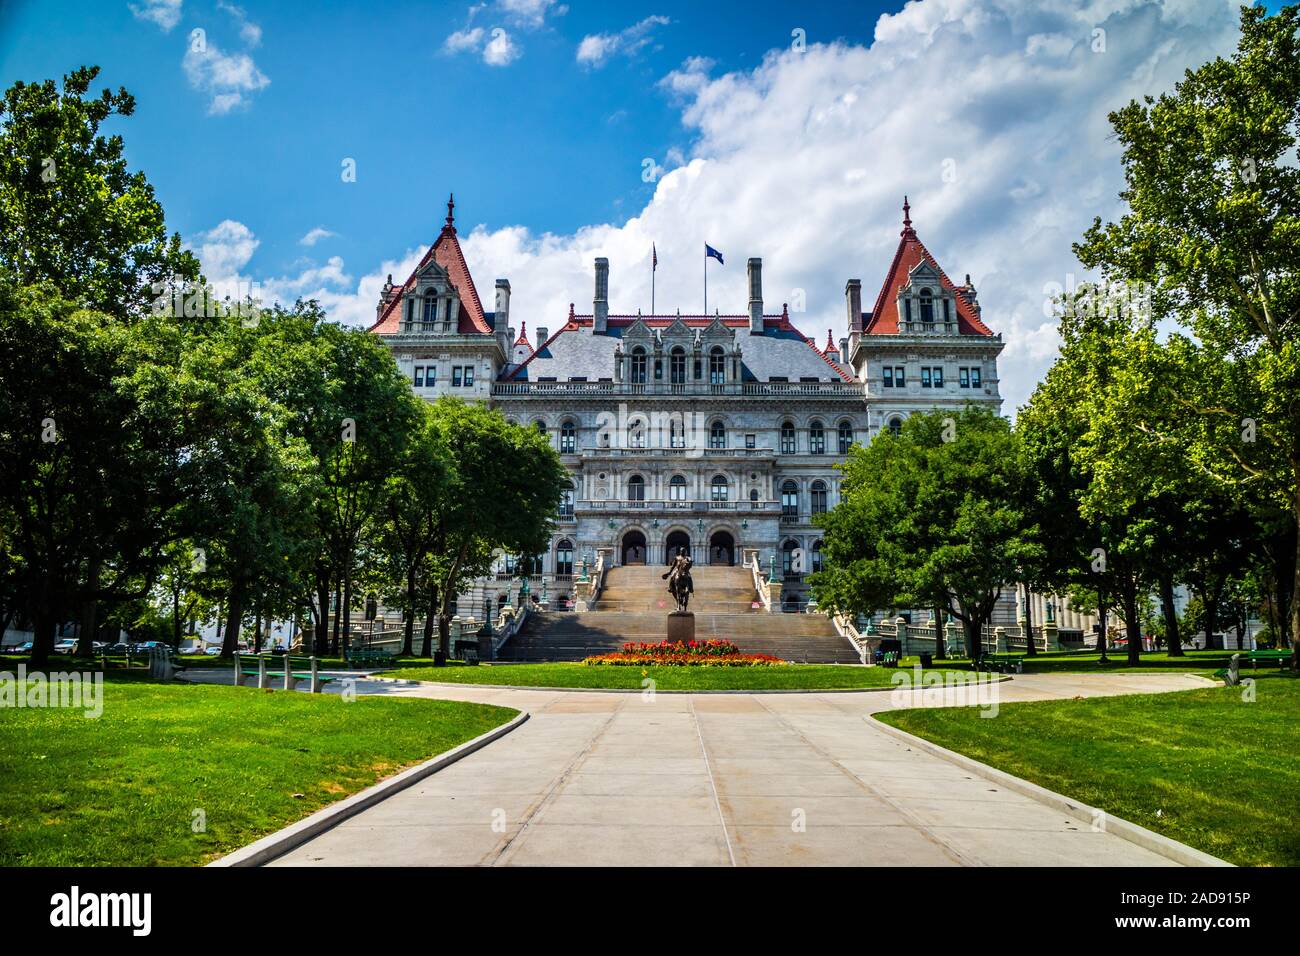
point(118, 648)
point(25, 648)
point(213, 651)
point(65, 647)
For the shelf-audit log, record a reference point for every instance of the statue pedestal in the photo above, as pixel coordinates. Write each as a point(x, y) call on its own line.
point(681, 627)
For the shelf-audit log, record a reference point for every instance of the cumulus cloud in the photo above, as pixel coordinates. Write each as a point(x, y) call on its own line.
point(496, 46)
point(316, 235)
point(164, 13)
point(463, 40)
point(530, 14)
point(500, 50)
point(596, 49)
point(1000, 140)
point(249, 32)
point(227, 78)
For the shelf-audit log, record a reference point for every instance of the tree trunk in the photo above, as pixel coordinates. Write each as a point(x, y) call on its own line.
point(89, 611)
point(176, 618)
point(408, 633)
point(1173, 640)
point(347, 610)
point(43, 626)
point(257, 631)
point(1101, 633)
point(1133, 624)
point(974, 640)
point(338, 616)
point(940, 635)
point(1295, 573)
point(1211, 601)
point(1030, 648)
point(234, 615)
point(321, 626)
point(426, 648)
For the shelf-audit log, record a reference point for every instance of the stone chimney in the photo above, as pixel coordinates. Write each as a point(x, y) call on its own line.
point(600, 304)
point(501, 322)
point(542, 335)
point(844, 352)
point(853, 303)
point(755, 296)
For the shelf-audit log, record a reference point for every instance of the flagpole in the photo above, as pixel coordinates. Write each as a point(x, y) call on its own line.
point(706, 281)
point(652, 284)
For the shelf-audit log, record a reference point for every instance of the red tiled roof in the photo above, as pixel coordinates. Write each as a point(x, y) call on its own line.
point(447, 253)
point(911, 251)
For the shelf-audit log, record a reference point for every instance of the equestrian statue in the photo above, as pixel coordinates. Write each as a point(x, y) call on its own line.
point(680, 585)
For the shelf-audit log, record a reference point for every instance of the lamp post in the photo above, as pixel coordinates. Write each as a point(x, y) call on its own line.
point(771, 573)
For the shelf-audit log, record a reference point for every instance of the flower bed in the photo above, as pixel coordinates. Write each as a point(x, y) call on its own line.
point(685, 660)
point(710, 648)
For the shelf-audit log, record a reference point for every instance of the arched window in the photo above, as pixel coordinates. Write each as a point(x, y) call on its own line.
point(753, 495)
point(636, 434)
point(540, 426)
point(816, 438)
point(676, 433)
point(568, 438)
point(529, 565)
point(788, 441)
point(817, 556)
point(819, 497)
point(896, 425)
point(430, 307)
point(566, 501)
point(789, 498)
point(636, 488)
point(638, 366)
point(788, 563)
point(717, 366)
point(717, 435)
point(718, 488)
point(677, 488)
point(846, 437)
point(677, 366)
point(564, 557)
point(927, 306)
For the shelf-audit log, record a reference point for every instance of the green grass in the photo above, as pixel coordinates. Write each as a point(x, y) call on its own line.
point(121, 789)
point(1204, 767)
point(785, 677)
point(1084, 662)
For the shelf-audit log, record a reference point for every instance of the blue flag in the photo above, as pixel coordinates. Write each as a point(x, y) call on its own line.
point(710, 251)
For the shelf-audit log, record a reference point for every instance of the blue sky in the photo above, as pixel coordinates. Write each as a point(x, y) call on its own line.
point(542, 115)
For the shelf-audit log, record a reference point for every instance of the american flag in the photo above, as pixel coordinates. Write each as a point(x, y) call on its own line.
point(654, 258)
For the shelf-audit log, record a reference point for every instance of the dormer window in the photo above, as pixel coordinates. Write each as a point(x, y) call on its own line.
point(430, 307)
point(638, 366)
point(717, 366)
point(927, 306)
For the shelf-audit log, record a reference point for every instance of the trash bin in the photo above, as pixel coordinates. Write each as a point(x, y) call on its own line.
point(927, 660)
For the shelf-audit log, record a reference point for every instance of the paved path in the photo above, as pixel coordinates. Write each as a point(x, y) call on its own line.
point(722, 780)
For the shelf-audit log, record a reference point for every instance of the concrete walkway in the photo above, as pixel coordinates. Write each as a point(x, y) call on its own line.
point(719, 780)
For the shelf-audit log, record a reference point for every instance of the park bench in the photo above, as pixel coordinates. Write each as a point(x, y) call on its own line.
point(295, 669)
point(369, 657)
point(1003, 663)
point(888, 659)
point(1283, 657)
point(164, 662)
point(467, 651)
point(127, 659)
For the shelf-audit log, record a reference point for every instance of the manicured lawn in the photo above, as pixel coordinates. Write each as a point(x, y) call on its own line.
point(122, 789)
point(783, 677)
point(1192, 662)
point(1203, 767)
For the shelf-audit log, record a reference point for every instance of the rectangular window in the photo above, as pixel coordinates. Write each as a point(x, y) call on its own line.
point(419, 376)
point(430, 376)
point(455, 376)
point(937, 375)
point(900, 377)
point(925, 376)
point(469, 375)
point(963, 378)
point(749, 441)
point(946, 312)
point(888, 372)
point(974, 378)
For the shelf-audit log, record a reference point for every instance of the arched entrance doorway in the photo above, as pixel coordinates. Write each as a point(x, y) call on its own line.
point(633, 548)
point(675, 540)
point(722, 548)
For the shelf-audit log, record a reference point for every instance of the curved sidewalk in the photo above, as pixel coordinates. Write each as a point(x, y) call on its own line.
point(720, 779)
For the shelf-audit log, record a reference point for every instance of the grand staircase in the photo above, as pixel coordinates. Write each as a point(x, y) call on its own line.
point(634, 604)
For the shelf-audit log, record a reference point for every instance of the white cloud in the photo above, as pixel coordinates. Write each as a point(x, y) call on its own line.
point(249, 32)
point(227, 78)
point(596, 48)
point(226, 249)
point(500, 50)
point(530, 14)
point(463, 40)
point(316, 235)
point(165, 13)
point(804, 161)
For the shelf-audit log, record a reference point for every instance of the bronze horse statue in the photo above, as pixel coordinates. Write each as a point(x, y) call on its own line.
point(680, 585)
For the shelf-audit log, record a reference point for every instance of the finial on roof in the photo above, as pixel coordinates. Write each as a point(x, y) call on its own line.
point(785, 312)
point(830, 341)
point(907, 216)
point(523, 334)
point(570, 311)
point(451, 207)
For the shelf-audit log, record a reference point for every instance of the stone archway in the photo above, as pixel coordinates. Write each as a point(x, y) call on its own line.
point(632, 548)
point(722, 548)
point(676, 539)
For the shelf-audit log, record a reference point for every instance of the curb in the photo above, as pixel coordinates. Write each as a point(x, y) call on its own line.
point(1001, 679)
point(282, 841)
point(1147, 839)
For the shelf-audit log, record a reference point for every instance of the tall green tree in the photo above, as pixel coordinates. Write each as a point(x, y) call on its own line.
point(1213, 192)
point(932, 517)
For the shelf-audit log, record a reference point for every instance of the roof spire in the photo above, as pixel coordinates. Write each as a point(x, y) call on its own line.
point(451, 215)
point(830, 342)
point(907, 216)
point(523, 334)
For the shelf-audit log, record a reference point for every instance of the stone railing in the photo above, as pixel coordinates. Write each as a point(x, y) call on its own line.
point(921, 638)
point(509, 622)
point(761, 587)
point(587, 592)
point(740, 389)
point(864, 644)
